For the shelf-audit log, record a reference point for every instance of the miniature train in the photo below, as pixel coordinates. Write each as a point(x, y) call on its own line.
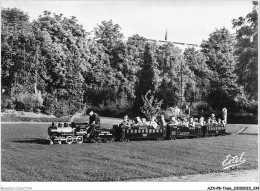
point(76, 132)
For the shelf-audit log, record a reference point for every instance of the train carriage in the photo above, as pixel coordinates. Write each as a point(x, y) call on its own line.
point(103, 135)
point(172, 131)
point(214, 130)
point(144, 132)
point(185, 132)
point(198, 130)
point(139, 133)
point(182, 131)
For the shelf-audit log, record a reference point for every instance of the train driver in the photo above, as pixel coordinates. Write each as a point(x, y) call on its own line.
point(94, 122)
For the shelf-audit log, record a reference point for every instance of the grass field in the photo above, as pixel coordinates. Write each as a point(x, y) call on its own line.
point(27, 157)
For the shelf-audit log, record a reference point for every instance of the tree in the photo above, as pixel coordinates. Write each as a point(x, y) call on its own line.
point(169, 63)
point(101, 84)
point(169, 93)
point(61, 54)
point(134, 61)
point(196, 62)
point(247, 52)
point(149, 75)
point(17, 51)
point(219, 53)
point(62, 59)
point(109, 35)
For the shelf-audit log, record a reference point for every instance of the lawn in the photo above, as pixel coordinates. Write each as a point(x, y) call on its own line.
point(27, 157)
point(233, 128)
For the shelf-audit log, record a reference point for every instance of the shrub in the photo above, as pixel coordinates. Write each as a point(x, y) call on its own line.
point(49, 103)
point(60, 107)
point(151, 105)
point(26, 101)
point(6, 103)
point(242, 118)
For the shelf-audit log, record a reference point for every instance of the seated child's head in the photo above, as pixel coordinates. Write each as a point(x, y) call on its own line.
point(138, 120)
point(173, 118)
point(153, 118)
point(212, 115)
point(125, 118)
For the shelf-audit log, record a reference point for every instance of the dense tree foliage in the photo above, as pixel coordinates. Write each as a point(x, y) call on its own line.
point(55, 58)
point(247, 52)
point(196, 61)
point(170, 64)
point(219, 52)
point(17, 56)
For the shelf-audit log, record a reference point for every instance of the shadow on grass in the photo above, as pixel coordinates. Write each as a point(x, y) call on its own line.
point(33, 141)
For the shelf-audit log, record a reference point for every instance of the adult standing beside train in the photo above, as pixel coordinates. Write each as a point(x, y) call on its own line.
point(94, 122)
point(224, 116)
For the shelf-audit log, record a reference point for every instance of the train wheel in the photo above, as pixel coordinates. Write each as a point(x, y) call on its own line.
point(51, 142)
point(79, 139)
point(69, 140)
point(59, 142)
point(112, 140)
point(104, 140)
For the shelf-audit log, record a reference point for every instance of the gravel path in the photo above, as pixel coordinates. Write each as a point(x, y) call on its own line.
point(230, 176)
point(105, 120)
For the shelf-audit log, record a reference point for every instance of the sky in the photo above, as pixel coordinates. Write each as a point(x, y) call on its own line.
point(186, 21)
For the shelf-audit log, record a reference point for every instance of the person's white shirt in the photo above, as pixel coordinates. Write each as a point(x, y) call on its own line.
point(176, 110)
point(153, 124)
point(174, 121)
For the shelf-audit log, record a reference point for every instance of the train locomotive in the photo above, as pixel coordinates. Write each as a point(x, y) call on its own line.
point(77, 132)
